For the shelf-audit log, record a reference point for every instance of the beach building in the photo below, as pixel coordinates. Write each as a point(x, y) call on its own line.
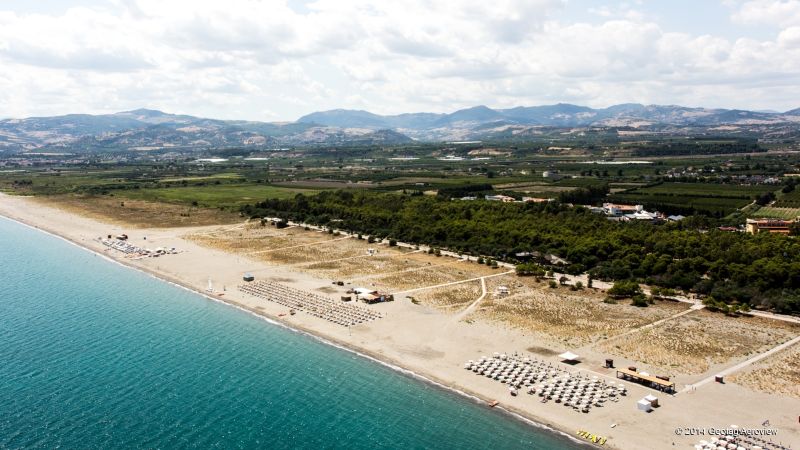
point(660, 383)
point(641, 215)
point(371, 296)
point(755, 226)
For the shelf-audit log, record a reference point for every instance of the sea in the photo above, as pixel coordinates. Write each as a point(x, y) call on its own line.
point(97, 355)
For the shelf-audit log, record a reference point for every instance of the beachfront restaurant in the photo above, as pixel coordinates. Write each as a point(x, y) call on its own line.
point(646, 380)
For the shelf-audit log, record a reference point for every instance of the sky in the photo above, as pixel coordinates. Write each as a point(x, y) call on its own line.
point(276, 60)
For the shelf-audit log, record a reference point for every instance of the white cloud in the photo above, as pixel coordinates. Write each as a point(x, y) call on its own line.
point(270, 59)
point(771, 12)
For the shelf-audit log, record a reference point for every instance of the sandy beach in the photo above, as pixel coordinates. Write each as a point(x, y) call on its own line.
point(438, 331)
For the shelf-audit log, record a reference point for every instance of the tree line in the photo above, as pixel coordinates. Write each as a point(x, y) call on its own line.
point(734, 268)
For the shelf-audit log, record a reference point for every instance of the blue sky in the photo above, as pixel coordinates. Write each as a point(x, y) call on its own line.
point(279, 59)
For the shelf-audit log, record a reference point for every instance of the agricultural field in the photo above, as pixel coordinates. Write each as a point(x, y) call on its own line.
point(561, 316)
point(138, 213)
point(694, 343)
point(772, 212)
point(706, 190)
point(777, 374)
point(790, 200)
point(225, 195)
point(716, 199)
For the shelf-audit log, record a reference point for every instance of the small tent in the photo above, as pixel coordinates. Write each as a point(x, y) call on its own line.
point(568, 356)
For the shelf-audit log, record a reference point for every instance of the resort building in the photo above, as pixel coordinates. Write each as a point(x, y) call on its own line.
point(500, 198)
point(615, 210)
point(641, 215)
point(755, 226)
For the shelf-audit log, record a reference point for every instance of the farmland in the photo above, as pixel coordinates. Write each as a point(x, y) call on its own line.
point(214, 195)
point(772, 212)
point(789, 200)
point(710, 198)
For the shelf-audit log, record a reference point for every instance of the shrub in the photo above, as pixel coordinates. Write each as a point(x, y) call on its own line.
point(639, 300)
point(623, 289)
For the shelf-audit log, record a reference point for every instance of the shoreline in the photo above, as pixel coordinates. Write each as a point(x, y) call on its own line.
point(429, 379)
point(423, 343)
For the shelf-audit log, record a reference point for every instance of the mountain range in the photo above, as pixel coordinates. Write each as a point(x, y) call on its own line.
point(145, 129)
point(483, 122)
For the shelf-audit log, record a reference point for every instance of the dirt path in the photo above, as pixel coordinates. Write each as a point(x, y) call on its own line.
point(742, 364)
point(458, 317)
point(695, 307)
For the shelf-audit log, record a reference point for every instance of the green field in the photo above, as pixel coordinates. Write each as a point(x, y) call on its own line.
point(214, 195)
point(687, 198)
point(706, 190)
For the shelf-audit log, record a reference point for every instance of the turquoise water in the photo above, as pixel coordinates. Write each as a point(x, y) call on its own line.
point(95, 355)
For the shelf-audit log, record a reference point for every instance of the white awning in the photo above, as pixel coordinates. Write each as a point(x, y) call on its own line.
point(569, 356)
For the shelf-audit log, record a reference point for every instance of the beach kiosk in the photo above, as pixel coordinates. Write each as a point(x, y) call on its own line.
point(248, 277)
point(644, 405)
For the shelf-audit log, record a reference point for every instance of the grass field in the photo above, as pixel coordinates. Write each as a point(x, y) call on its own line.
point(214, 195)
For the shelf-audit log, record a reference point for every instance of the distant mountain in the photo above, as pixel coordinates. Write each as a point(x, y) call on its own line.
point(483, 122)
point(344, 118)
point(150, 129)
